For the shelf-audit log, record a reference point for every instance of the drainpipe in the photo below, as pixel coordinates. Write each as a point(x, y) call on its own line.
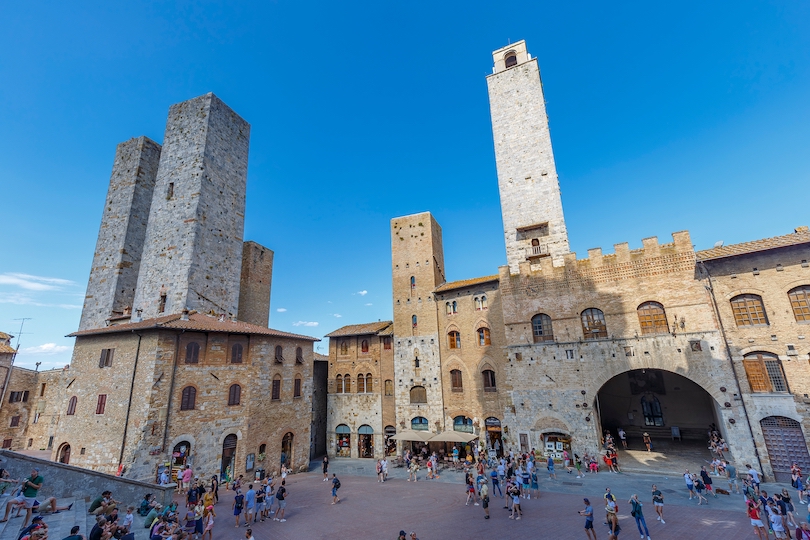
point(710, 288)
point(171, 389)
point(129, 403)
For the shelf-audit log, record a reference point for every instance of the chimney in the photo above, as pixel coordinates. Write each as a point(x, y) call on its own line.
point(184, 316)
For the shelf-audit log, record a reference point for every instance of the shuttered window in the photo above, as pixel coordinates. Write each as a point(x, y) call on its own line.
point(189, 398)
point(765, 373)
point(276, 395)
point(748, 310)
point(456, 383)
point(106, 358)
point(101, 404)
point(800, 302)
point(235, 395)
point(297, 387)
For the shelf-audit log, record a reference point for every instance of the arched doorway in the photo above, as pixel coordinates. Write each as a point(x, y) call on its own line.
point(463, 424)
point(64, 454)
point(365, 442)
point(785, 442)
point(390, 444)
point(675, 411)
point(344, 441)
point(228, 458)
point(494, 436)
point(287, 450)
point(181, 455)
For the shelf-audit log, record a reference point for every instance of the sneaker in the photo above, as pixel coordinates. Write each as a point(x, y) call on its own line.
point(476, 504)
point(663, 522)
point(642, 537)
point(275, 519)
point(282, 520)
point(486, 517)
point(659, 518)
point(517, 518)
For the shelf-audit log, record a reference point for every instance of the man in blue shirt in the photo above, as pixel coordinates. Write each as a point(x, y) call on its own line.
point(588, 513)
point(250, 505)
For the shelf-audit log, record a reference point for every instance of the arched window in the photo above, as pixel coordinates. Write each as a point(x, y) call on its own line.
point(448, 309)
point(765, 373)
point(389, 387)
point(188, 399)
point(413, 282)
point(192, 353)
point(72, 406)
point(454, 340)
point(419, 423)
point(418, 394)
point(297, 386)
point(748, 310)
point(462, 423)
point(369, 384)
point(235, 395)
point(651, 409)
point(652, 318)
point(347, 384)
point(344, 347)
point(456, 383)
point(483, 337)
point(454, 306)
point(413, 321)
point(477, 303)
point(262, 448)
point(236, 353)
point(364, 346)
point(489, 380)
point(510, 60)
point(541, 328)
point(299, 355)
point(361, 384)
point(483, 302)
point(276, 394)
point(279, 356)
point(339, 384)
point(415, 360)
point(800, 302)
point(593, 324)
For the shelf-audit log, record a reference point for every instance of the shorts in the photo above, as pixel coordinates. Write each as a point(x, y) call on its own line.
point(525, 486)
point(237, 511)
point(567, 463)
point(334, 492)
point(658, 504)
point(588, 524)
point(282, 504)
point(757, 523)
point(471, 489)
point(485, 502)
point(708, 487)
point(690, 487)
point(779, 534)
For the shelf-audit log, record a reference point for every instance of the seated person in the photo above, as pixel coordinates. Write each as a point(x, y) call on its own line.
point(153, 514)
point(103, 504)
point(36, 523)
point(147, 504)
point(74, 534)
point(47, 506)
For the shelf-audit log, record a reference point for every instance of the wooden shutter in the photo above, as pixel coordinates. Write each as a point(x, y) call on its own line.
point(276, 389)
point(757, 375)
point(297, 388)
point(101, 404)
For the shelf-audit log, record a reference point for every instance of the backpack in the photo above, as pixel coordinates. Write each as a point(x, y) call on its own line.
point(337, 484)
point(239, 500)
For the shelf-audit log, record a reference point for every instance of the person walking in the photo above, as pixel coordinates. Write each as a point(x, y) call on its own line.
point(208, 523)
point(470, 490)
point(647, 441)
point(495, 483)
point(550, 467)
point(623, 438)
point(215, 488)
point(731, 475)
point(638, 515)
point(325, 468)
point(250, 505)
point(699, 487)
point(803, 531)
point(238, 503)
point(516, 512)
point(335, 488)
point(587, 513)
point(484, 492)
point(30, 486)
point(658, 503)
point(613, 524)
point(281, 497)
point(379, 472)
point(707, 481)
point(690, 484)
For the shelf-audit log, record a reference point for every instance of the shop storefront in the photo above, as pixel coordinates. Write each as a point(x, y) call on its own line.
point(343, 440)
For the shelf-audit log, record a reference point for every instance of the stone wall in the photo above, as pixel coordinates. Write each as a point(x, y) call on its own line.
point(193, 248)
point(531, 204)
point(117, 259)
point(66, 481)
point(255, 282)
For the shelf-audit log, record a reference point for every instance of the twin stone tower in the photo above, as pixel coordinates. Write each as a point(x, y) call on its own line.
point(171, 232)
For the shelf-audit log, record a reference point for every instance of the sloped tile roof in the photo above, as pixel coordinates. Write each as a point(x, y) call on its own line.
point(321, 357)
point(465, 283)
point(196, 322)
point(801, 236)
point(6, 349)
point(3, 335)
point(362, 329)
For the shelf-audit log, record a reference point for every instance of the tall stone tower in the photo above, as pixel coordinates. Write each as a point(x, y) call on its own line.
point(533, 222)
point(192, 256)
point(417, 262)
point(117, 259)
point(256, 279)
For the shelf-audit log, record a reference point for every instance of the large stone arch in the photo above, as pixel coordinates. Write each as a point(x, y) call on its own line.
point(551, 424)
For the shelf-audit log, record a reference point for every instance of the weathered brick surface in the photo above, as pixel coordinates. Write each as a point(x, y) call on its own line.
point(193, 248)
point(117, 259)
point(527, 175)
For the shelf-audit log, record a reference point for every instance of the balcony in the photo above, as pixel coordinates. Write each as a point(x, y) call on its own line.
point(536, 252)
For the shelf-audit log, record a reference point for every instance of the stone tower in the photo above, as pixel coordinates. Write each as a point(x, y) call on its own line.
point(417, 262)
point(256, 279)
point(192, 256)
point(117, 259)
point(533, 222)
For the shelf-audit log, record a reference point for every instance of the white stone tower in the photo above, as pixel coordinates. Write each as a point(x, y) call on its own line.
point(533, 222)
point(192, 256)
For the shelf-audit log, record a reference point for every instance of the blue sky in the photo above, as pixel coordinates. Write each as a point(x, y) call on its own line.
point(663, 118)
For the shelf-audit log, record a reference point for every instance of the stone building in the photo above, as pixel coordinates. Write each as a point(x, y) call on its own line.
point(174, 362)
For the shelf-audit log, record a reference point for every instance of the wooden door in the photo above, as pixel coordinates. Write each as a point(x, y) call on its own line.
point(786, 445)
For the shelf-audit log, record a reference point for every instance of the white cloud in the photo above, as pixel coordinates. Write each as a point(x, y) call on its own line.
point(338, 315)
point(33, 283)
point(25, 300)
point(305, 323)
point(281, 309)
point(362, 293)
point(46, 348)
point(369, 304)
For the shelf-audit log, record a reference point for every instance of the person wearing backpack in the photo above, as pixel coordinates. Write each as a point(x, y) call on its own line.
point(638, 515)
point(335, 488)
point(238, 503)
point(281, 497)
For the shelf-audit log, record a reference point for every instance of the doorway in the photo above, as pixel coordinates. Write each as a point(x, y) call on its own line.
point(287, 450)
point(785, 442)
point(494, 436)
point(64, 454)
point(344, 440)
point(365, 441)
point(228, 458)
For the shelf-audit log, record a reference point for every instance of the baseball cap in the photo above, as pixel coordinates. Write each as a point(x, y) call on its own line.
point(37, 518)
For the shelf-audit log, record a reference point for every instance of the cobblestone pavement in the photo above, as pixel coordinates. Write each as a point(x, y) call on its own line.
point(435, 509)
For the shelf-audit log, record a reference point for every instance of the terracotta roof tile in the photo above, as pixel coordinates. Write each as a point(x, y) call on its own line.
point(196, 322)
point(465, 283)
point(321, 357)
point(3, 335)
point(6, 349)
point(801, 236)
point(378, 327)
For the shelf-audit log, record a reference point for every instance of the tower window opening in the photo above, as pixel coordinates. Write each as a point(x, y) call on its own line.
point(162, 303)
point(510, 59)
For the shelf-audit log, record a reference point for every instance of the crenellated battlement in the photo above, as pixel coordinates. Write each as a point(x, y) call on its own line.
point(651, 259)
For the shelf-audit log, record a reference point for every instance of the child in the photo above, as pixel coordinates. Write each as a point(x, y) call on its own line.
point(126, 523)
point(516, 513)
point(208, 522)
